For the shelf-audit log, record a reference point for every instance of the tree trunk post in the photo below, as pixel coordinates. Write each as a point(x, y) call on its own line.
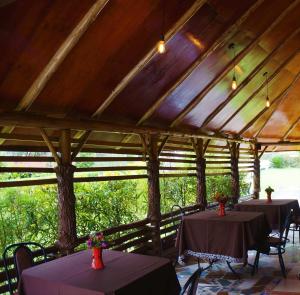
point(200, 172)
point(256, 174)
point(235, 177)
point(67, 234)
point(154, 213)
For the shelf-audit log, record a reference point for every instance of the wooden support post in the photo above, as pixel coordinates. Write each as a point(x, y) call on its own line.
point(235, 177)
point(256, 175)
point(67, 235)
point(199, 148)
point(154, 213)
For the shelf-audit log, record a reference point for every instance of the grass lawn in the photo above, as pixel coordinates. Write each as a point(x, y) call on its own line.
point(285, 181)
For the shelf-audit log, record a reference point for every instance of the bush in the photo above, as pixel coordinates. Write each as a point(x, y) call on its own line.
point(278, 162)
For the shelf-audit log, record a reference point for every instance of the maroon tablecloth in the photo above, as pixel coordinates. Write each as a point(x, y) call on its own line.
point(276, 211)
point(124, 273)
point(207, 235)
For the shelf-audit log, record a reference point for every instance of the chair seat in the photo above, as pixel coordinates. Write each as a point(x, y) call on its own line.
point(275, 241)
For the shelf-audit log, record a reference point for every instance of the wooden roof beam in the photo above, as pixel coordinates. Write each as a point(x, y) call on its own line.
point(219, 42)
point(253, 95)
point(281, 143)
point(230, 66)
point(145, 60)
point(291, 128)
point(246, 81)
point(31, 120)
point(276, 100)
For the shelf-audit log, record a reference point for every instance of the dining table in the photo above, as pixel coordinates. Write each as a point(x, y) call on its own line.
point(276, 211)
point(123, 274)
point(208, 236)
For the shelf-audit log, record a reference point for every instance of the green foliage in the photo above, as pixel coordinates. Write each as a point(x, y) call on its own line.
point(278, 162)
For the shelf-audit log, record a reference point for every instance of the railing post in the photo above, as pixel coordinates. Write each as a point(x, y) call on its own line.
point(154, 214)
point(235, 177)
point(256, 175)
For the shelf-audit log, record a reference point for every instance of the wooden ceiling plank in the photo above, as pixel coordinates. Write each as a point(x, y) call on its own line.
point(37, 121)
point(253, 95)
point(276, 100)
point(291, 128)
point(232, 63)
point(57, 59)
point(241, 86)
point(145, 60)
point(217, 44)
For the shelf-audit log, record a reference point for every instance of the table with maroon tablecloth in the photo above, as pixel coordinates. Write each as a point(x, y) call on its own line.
point(124, 273)
point(276, 211)
point(210, 236)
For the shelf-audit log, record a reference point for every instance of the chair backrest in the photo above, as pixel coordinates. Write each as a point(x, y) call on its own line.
point(286, 227)
point(23, 257)
point(191, 285)
point(174, 210)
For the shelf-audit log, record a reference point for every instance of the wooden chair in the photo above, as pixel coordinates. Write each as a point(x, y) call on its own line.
point(277, 243)
point(23, 257)
point(295, 225)
point(191, 285)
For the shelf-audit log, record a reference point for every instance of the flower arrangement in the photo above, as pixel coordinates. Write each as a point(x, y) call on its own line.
point(220, 198)
point(96, 240)
point(269, 190)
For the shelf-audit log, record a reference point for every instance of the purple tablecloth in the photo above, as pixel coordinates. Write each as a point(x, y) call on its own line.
point(276, 211)
point(124, 273)
point(207, 235)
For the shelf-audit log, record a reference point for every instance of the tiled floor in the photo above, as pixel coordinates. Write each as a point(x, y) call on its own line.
point(220, 280)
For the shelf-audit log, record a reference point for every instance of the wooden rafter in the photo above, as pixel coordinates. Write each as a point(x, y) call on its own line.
point(291, 128)
point(81, 143)
point(57, 59)
point(263, 151)
point(253, 95)
point(280, 97)
point(145, 60)
point(162, 144)
point(50, 146)
point(231, 64)
point(245, 82)
point(30, 120)
point(218, 43)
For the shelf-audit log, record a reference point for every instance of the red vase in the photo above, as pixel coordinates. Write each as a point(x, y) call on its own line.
point(269, 198)
point(222, 209)
point(97, 262)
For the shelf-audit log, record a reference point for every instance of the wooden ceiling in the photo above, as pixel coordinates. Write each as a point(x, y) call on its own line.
point(98, 60)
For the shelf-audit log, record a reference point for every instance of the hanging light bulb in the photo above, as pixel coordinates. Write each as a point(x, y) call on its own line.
point(161, 45)
point(267, 90)
point(234, 82)
point(267, 102)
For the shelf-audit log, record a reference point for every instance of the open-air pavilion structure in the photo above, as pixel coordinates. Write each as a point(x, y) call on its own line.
point(85, 76)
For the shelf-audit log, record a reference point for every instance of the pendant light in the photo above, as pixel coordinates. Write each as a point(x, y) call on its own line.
point(234, 82)
point(267, 90)
point(161, 44)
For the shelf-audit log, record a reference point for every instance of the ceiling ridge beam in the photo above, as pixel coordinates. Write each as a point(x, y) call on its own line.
point(145, 60)
point(291, 128)
point(218, 42)
point(57, 59)
point(278, 98)
point(37, 121)
point(249, 78)
point(230, 66)
point(253, 95)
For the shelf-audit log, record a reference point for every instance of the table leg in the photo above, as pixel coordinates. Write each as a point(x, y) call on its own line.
point(232, 270)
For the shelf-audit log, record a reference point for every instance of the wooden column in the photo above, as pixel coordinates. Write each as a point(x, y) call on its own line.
point(235, 177)
point(152, 150)
point(256, 175)
point(67, 234)
point(199, 148)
